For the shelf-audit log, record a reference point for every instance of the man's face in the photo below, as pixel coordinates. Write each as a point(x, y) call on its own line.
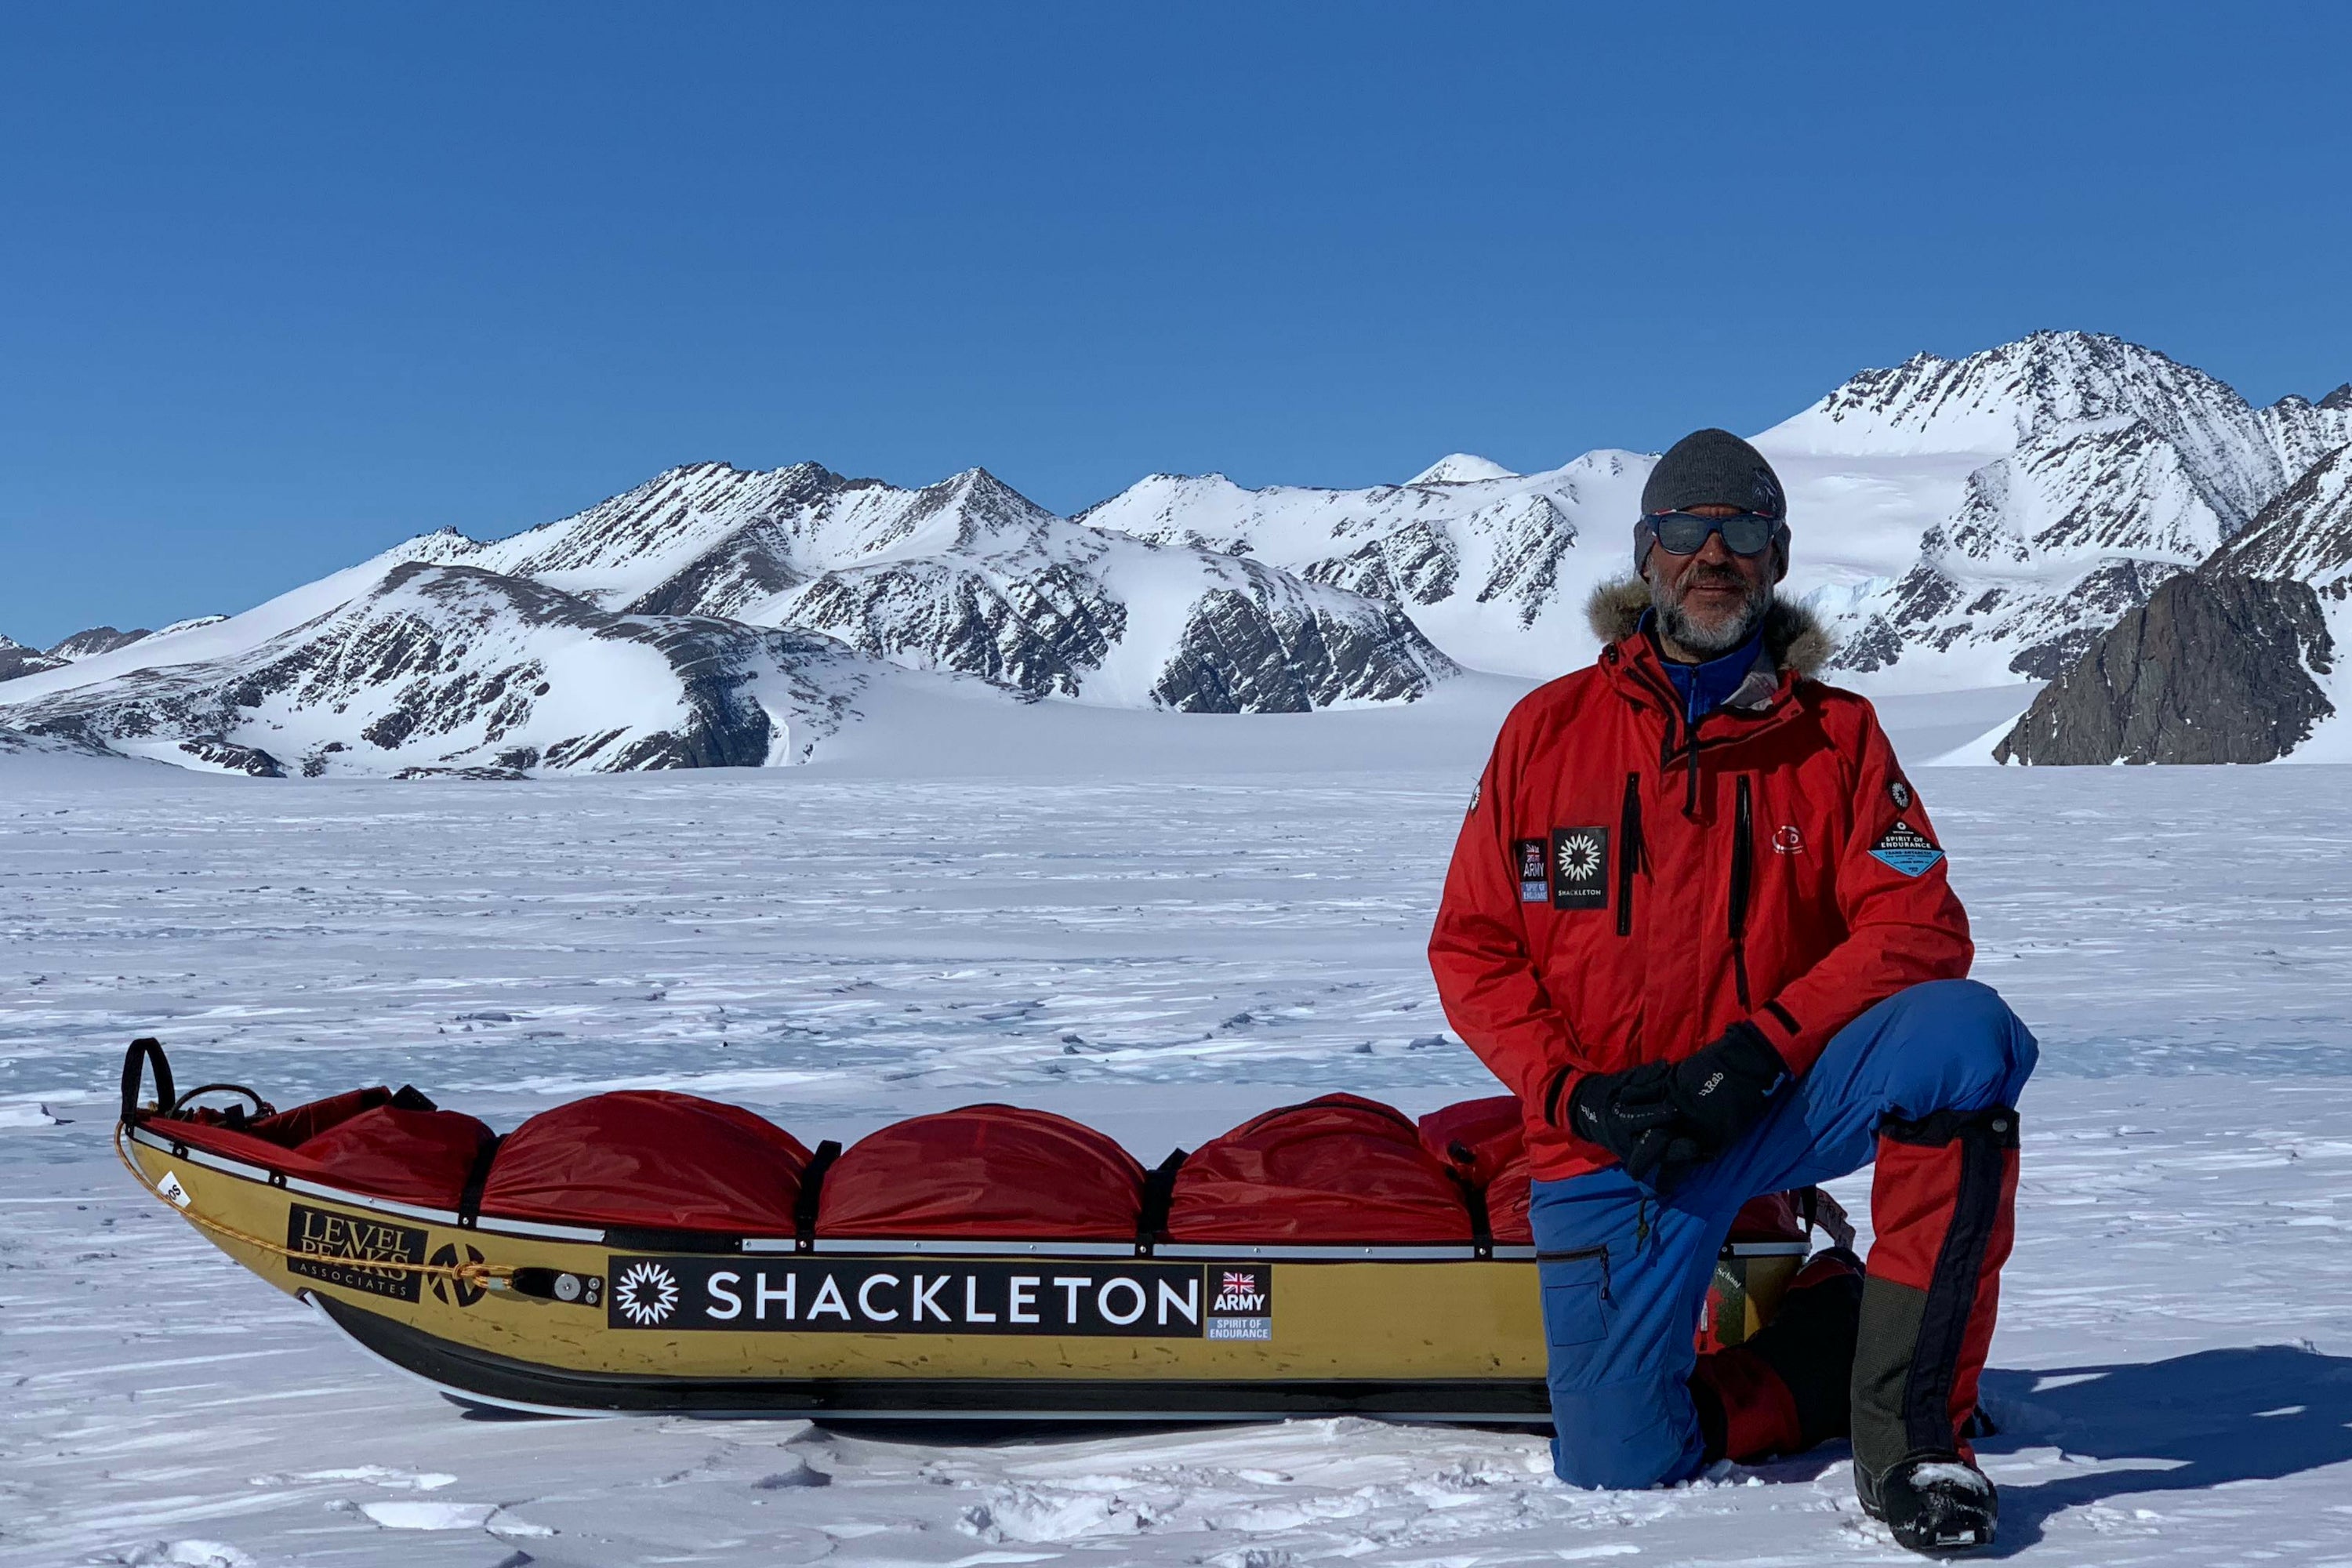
point(1709, 603)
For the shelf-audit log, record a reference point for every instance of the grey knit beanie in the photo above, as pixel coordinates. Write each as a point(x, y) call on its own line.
point(1714, 468)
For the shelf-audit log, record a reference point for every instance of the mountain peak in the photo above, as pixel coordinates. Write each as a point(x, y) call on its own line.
point(1461, 468)
point(2339, 398)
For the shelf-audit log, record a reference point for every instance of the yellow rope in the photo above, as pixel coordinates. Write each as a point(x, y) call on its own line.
point(480, 1275)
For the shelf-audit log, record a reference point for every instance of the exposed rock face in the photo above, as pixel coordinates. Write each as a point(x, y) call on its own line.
point(2213, 669)
point(16, 660)
point(2306, 534)
point(97, 640)
point(1262, 650)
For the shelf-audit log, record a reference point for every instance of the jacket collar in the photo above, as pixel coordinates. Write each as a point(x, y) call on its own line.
point(1795, 644)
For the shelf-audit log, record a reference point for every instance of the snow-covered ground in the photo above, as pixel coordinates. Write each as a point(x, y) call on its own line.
point(1162, 946)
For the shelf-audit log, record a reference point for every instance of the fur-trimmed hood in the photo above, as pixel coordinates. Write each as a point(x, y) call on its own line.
point(1794, 637)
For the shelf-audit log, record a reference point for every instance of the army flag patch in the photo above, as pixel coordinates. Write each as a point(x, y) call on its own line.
point(1534, 884)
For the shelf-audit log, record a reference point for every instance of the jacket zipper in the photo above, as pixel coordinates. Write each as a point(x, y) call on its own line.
point(1629, 852)
point(1743, 851)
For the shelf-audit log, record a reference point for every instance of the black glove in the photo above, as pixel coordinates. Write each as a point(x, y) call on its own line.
point(1662, 1117)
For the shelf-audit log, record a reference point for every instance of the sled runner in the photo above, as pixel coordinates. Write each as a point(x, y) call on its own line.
point(649, 1252)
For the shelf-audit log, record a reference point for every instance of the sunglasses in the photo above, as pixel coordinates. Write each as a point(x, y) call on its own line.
point(1685, 533)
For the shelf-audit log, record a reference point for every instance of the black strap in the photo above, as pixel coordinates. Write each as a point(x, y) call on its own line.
point(804, 1208)
point(1158, 1197)
point(470, 1202)
point(135, 1062)
point(1482, 1227)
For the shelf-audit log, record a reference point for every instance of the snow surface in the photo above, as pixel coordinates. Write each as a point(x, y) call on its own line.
point(1161, 945)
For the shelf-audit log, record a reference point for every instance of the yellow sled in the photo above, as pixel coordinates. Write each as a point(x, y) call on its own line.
point(566, 1320)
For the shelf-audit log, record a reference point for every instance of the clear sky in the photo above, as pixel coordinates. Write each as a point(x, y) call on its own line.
point(280, 287)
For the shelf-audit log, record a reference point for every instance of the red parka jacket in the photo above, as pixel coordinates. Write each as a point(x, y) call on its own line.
point(1627, 887)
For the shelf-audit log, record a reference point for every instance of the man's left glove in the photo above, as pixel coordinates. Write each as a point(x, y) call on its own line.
point(1662, 1118)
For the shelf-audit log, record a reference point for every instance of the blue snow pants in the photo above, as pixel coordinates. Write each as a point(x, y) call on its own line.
point(1625, 1272)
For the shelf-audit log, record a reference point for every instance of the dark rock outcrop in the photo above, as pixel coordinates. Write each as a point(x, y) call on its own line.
point(2213, 669)
point(97, 640)
point(16, 660)
point(1253, 653)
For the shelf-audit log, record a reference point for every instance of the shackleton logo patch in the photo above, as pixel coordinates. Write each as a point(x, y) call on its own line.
point(1534, 882)
point(1907, 849)
point(1580, 867)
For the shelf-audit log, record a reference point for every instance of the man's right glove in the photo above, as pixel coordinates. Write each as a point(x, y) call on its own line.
point(1632, 1113)
point(1662, 1117)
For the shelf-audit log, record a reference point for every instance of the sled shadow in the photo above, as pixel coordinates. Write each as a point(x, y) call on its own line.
point(2255, 1414)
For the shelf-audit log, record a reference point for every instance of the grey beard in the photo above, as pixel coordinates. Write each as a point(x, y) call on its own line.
point(1706, 643)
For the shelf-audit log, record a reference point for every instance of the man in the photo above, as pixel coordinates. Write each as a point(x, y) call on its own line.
point(1699, 922)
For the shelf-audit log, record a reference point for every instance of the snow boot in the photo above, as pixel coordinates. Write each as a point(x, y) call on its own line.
point(1933, 1505)
point(1942, 1203)
point(1790, 1385)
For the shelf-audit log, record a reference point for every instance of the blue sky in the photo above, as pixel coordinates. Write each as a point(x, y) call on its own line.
point(278, 287)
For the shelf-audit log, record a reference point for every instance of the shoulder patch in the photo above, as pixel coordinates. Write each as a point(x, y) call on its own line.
point(1477, 793)
point(1900, 794)
point(1528, 854)
point(1907, 849)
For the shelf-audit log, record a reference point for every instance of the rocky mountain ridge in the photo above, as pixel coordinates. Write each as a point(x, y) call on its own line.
point(1958, 523)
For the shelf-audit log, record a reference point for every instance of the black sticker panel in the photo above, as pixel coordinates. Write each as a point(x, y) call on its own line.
point(338, 1249)
point(1580, 867)
point(942, 1296)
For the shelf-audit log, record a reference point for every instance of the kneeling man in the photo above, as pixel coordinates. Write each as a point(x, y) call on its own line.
point(1699, 922)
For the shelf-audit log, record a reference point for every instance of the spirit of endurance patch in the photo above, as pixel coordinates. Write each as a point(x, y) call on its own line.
point(1907, 849)
point(910, 1296)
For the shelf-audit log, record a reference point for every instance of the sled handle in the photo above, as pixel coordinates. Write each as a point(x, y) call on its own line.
point(135, 1060)
point(260, 1107)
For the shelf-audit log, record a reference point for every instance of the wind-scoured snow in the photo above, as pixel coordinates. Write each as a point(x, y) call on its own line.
point(1162, 945)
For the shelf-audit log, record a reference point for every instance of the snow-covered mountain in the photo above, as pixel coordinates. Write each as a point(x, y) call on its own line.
point(17, 658)
point(1494, 570)
point(714, 616)
point(2095, 469)
point(2305, 532)
point(968, 575)
point(1461, 468)
point(411, 667)
point(1959, 522)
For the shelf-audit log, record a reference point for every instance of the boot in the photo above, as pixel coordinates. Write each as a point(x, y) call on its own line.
point(1933, 1505)
point(1942, 1203)
point(1789, 1386)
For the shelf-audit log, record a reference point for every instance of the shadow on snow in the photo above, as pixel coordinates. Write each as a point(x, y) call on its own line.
point(2260, 1412)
